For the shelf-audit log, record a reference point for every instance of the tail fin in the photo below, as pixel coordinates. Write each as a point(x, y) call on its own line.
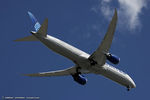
point(34, 21)
point(39, 29)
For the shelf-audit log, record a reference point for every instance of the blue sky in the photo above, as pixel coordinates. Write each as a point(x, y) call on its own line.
point(81, 23)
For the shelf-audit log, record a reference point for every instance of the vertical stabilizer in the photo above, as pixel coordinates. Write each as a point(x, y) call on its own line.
point(34, 21)
point(39, 29)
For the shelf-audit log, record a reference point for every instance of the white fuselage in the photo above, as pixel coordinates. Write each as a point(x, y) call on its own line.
point(80, 58)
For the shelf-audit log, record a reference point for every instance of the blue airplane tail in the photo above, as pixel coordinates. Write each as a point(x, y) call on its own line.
point(39, 29)
point(34, 21)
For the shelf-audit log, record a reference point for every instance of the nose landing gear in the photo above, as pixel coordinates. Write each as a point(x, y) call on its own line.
point(128, 88)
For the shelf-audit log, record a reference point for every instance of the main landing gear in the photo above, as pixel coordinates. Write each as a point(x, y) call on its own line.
point(92, 62)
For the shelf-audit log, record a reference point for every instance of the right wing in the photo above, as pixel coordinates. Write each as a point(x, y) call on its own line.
point(99, 54)
point(65, 72)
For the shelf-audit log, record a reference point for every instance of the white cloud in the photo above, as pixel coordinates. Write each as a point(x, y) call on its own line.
point(128, 11)
point(105, 8)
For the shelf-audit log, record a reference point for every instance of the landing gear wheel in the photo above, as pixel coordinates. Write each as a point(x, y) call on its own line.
point(92, 62)
point(77, 70)
point(128, 88)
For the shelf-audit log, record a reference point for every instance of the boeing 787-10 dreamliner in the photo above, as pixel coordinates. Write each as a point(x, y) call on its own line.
point(84, 63)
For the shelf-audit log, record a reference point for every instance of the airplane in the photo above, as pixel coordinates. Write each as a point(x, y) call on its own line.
point(84, 62)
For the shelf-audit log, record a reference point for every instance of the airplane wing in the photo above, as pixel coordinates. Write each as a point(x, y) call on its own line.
point(99, 54)
point(65, 72)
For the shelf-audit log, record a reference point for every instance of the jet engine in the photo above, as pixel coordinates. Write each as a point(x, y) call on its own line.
point(79, 79)
point(112, 58)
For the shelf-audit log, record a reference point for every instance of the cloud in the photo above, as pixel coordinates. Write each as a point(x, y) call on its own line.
point(128, 11)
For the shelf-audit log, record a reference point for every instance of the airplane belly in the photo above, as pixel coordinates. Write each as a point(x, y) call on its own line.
point(113, 74)
point(63, 48)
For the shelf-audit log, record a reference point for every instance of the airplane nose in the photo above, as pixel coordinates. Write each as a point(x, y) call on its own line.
point(133, 85)
point(131, 82)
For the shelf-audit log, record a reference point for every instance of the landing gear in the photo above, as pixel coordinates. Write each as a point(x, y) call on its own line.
point(77, 70)
point(92, 62)
point(128, 88)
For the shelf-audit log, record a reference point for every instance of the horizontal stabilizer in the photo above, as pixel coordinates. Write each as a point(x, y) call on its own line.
point(28, 38)
point(43, 29)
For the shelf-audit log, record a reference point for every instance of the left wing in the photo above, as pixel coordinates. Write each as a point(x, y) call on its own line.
point(99, 55)
point(65, 72)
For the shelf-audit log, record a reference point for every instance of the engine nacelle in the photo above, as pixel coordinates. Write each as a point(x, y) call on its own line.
point(112, 58)
point(79, 79)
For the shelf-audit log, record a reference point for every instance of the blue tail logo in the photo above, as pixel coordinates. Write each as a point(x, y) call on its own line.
point(34, 21)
